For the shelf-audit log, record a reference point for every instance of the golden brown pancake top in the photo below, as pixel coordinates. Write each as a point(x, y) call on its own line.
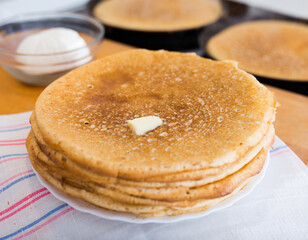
point(212, 113)
point(158, 15)
point(270, 48)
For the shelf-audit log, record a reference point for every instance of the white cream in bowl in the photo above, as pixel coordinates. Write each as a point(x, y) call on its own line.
point(52, 50)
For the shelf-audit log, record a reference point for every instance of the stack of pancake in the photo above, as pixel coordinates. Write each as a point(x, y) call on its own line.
point(217, 128)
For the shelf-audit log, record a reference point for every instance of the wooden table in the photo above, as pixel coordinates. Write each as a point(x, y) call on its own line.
point(291, 120)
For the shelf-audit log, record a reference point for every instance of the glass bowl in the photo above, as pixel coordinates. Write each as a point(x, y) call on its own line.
point(42, 69)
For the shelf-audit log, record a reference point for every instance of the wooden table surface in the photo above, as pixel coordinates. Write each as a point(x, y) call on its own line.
point(291, 120)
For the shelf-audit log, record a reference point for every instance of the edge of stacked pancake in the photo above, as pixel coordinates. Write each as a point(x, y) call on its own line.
point(200, 157)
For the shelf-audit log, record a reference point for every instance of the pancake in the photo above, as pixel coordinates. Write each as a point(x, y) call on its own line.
point(47, 173)
point(269, 48)
point(138, 210)
point(158, 15)
point(191, 178)
point(167, 196)
point(212, 190)
point(212, 113)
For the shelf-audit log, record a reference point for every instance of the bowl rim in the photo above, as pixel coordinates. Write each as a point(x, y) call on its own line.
point(52, 14)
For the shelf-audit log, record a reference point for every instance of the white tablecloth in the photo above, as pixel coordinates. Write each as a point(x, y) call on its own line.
point(276, 209)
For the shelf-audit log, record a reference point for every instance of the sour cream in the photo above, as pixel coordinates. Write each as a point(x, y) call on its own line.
point(52, 50)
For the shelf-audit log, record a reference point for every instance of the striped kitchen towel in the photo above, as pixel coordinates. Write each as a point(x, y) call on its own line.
point(276, 209)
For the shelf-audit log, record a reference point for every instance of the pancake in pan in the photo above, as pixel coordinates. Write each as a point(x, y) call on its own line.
point(158, 15)
point(217, 128)
point(269, 48)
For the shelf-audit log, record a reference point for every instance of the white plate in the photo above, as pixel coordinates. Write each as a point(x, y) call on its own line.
point(126, 217)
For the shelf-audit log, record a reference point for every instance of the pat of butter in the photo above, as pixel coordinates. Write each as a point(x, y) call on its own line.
point(142, 125)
